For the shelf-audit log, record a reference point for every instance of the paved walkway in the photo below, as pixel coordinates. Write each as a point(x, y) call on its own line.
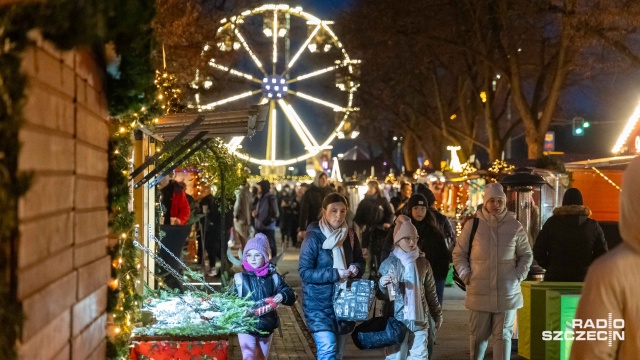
point(296, 343)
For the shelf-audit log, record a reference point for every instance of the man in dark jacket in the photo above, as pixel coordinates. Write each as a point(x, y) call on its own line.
point(215, 233)
point(399, 202)
point(312, 202)
point(296, 203)
point(266, 214)
point(569, 241)
point(375, 215)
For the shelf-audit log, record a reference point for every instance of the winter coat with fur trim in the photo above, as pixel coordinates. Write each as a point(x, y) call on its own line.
point(568, 243)
point(500, 260)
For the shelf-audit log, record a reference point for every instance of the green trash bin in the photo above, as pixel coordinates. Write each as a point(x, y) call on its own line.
point(542, 309)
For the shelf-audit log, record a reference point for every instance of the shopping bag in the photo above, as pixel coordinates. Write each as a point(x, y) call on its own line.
point(379, 332)
point(354, 303)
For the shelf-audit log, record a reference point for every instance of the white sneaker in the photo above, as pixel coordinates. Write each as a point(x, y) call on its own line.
point(212, 272)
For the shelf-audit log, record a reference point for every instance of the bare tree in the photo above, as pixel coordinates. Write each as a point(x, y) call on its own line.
point(447, 66)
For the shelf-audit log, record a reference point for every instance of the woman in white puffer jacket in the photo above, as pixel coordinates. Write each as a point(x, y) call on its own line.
point(500, 259)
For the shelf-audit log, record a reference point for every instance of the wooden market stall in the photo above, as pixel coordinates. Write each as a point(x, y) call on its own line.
point(151, 165)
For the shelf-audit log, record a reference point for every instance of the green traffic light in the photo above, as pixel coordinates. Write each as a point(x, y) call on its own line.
point(579, 131)
point(586, 124)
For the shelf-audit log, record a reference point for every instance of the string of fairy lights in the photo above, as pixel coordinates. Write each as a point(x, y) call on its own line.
point(125, 289)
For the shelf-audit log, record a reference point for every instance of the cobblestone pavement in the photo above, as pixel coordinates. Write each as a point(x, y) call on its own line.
point(452, 342)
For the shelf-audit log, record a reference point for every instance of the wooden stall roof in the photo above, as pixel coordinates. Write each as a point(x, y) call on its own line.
point(620, 162)
point(244, 122)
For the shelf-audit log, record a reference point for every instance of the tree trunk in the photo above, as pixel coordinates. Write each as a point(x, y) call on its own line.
point(534, 144)
point(410, 154)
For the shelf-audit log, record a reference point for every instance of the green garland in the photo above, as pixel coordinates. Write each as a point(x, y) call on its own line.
point(220, 169)
point(131, 94)
point(236, 314)
point(68, 24)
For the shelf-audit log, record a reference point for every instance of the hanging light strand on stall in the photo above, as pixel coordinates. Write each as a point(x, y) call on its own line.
point(606, 178)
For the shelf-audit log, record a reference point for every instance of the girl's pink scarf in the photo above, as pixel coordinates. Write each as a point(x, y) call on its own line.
point(261, 271)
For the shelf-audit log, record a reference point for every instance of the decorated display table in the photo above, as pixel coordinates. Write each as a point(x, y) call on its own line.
point(179, 347)
point(548, 306)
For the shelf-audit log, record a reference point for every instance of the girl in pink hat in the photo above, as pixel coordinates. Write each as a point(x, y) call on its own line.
point(411, 278)
point(267, 288)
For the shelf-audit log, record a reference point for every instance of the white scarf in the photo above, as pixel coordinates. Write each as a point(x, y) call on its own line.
point(335, 238)
point(495, 218)
point(413, 309)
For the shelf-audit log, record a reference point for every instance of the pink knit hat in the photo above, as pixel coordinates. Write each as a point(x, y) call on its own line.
point(260, 243)
point(404, 228)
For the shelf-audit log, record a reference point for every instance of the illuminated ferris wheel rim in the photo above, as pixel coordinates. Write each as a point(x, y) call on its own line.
point(312, 147)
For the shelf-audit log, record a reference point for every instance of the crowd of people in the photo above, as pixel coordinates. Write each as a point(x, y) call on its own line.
point(408, 245)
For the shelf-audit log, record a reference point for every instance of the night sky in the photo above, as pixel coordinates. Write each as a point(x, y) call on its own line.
point(606, 101)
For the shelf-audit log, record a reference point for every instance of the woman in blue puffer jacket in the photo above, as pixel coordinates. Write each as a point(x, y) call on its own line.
point(330, 254)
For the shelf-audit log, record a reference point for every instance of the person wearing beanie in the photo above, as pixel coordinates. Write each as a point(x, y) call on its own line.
point(610, 288)
point(572, 196)
point(441, 219)
point(409, 273)
point(492, 269)
point(431, 240)
point(569, 240)
point(330, 254)
point(267, 295)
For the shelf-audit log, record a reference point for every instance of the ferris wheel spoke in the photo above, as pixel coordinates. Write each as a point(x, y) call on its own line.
point(304, 46)
point(314, 73)
point(248, 49)
point(305, 136)
point(229, 99)
point(213, 64)
point(317, 101)
point(275, 40)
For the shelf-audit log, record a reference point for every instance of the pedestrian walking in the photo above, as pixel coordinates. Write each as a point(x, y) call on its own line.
point(430, 241)
point(374, 216)
point(408, 271)
point(330, 254)
point(492, 269)
point(441, 219)
point(399, 202)
point(242, 214)
point(265, 214)
point(284, 200)
point(296, 202)
point(261, 283)
point(611, 291)
point(312, 201)
point(569, 240)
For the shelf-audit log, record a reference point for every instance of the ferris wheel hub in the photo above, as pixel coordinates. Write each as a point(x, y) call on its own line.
point(274, 87)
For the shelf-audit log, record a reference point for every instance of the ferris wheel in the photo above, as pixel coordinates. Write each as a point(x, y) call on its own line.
point(319, 88)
